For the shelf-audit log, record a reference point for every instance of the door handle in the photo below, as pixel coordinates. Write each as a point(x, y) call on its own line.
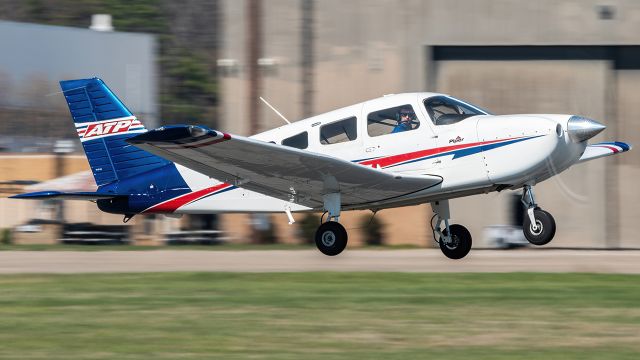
point(370, 149)
point(437, 161)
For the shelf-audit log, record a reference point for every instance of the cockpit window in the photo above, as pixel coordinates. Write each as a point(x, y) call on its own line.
point(445, 110)
point(392, 120)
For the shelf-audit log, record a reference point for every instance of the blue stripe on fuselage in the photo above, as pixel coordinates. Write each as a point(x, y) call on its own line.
point(467, 151)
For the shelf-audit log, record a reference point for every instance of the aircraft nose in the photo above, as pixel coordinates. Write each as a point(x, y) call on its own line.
point(581, 128)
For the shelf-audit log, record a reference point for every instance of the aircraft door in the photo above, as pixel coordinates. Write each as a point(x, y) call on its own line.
point(458, 155)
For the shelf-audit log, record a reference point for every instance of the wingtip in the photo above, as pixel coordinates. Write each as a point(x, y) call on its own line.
point(624, 146)
point(36, 195)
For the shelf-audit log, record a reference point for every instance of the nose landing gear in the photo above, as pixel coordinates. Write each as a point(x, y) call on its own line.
point(539, 227)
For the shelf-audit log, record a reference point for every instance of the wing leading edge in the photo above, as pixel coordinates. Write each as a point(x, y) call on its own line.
point(274, 170)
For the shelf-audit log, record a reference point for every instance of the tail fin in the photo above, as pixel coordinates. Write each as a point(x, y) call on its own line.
point(103, 122)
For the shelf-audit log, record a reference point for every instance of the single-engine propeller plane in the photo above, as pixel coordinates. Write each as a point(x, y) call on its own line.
point(393, 151)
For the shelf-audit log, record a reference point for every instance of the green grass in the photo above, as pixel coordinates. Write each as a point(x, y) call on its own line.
point(320, 316)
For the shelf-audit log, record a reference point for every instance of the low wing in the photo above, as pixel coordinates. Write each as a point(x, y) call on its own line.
point(282, 172)
point(599, 150)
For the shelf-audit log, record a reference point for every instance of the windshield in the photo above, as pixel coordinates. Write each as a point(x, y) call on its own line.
point(445, 110)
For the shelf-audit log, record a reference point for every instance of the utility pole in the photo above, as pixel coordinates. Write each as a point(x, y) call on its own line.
point(307, 58)
point(254, 49)
point(259, 222)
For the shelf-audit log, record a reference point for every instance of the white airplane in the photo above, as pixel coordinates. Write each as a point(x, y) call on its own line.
point(393, 151)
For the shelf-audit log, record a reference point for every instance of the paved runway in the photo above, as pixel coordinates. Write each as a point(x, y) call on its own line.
point(414, 260)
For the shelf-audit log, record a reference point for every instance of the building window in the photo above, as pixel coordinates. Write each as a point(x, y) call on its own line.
point(339, 131)
point(392, 120)
point(300, 141)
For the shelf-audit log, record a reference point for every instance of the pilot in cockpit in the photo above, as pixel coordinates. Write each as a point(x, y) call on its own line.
point(405, 116)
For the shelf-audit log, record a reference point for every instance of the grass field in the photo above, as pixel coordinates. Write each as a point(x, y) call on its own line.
point(320, 316)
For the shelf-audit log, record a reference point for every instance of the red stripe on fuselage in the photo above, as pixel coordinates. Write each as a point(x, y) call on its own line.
point(173, 204)
point(395, 159)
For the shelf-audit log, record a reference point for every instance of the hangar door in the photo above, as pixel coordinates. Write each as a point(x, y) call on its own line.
point(576, 198)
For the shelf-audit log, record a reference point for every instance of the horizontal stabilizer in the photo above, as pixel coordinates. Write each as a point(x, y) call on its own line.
point(599, 150)
point(43, 195)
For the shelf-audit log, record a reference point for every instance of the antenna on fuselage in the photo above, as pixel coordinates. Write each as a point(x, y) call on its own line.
point(274, 109)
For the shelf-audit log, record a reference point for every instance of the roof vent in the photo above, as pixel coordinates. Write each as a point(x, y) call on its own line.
point(101, 22)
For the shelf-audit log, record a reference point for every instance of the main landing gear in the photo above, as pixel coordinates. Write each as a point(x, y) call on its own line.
point(538, 226)
point(331, 237)
point(455, 239)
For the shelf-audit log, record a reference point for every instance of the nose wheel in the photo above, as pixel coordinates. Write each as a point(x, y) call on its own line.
point(544, 229)
point(538, 226)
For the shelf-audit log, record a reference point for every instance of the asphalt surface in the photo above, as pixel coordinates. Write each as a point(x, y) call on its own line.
point(414, 260)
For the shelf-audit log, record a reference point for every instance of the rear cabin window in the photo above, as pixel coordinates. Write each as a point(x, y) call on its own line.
point(339, 131)
point(392, 120)
point(300, 141)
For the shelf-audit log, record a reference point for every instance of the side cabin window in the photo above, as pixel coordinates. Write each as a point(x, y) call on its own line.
point(300, 141)
point(340, 131)
point(392, 120)
point(444, 110)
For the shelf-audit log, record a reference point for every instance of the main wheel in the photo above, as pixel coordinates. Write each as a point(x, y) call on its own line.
point(545, 227)
point(460, 242)
point(331, 238)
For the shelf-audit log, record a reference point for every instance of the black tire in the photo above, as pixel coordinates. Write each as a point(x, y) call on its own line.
point(546, 228)
point(461, 244)
point(331, 238)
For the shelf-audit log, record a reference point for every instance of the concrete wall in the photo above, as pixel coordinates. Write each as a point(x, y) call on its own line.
point(364, 49)
point(575, 197)
point(368, 48)
point(627, 168)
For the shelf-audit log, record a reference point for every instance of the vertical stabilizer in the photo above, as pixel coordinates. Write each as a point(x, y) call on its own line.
point(103, 122)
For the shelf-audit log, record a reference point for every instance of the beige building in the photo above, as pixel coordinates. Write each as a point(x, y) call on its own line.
point(71, 173)
point(33, 168)
point(509, 56)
